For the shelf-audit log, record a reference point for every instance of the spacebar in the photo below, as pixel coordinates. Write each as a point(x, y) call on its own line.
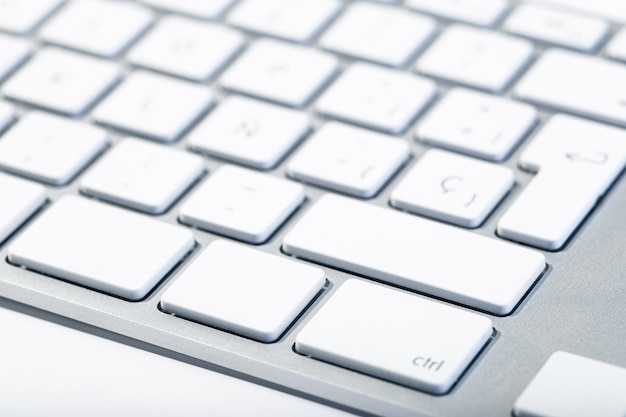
point(415, 253)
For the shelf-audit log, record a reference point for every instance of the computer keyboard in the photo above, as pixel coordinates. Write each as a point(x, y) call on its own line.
point(395, 208)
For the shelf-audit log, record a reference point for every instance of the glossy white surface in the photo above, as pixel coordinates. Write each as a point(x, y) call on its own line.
point(475, 57)
point(186, 48)
point(62, 81)
point(294, 20)
point(153, 105)
point(100, 246)
point(250, 132)
point(241, 203)
point(577, 160)
point(376, 97)
point(452, 188)
point(280, 72)
point(570, 385)
point(395, 336)
point(348, 159)
point(477, 124)
point(50, 148)
point(591, 86)
point(97, 27)
point(142, 175)
point(258, 298)
point(416, 253)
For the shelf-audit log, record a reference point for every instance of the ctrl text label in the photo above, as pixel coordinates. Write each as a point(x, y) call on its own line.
point(428, 363)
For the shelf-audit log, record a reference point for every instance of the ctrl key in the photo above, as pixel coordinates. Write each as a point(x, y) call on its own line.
point(395, 336)
point(569, 385)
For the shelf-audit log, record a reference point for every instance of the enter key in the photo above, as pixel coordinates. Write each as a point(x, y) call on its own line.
point(576, 162)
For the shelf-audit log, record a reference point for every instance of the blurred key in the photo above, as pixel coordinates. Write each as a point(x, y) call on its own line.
point(62, 81)
point(99, 27)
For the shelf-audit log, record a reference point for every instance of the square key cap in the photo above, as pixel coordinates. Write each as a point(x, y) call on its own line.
point(243, 290)
point(62, 81)
point(242, 204)
point(101, 247)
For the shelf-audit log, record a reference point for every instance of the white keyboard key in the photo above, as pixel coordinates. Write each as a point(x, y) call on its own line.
point(415, 253)
point(608, 9)
point(20, 200)
point(186, 48)
point(348, 159)
point(101, 247)
point(475, 57)
point(249, 132)
point(379, 33)
point(13, 51)
point(294, 20)
point(142, 175)
point(62, 81)
point(477, 12)
point(203, 9)
point(155, 106)
point(577, 161)
point(49, 148)
point(376, 97)
point(580, 84)
point(477, 124)
point(21, 17)
point(242, 204)
point(569, 385)
point(452, 188)
point(280, 72)
point(7, 115)
point(98, 27)
point(257, 298)
point(559, 27)
point(395, 336)
point(616, 49)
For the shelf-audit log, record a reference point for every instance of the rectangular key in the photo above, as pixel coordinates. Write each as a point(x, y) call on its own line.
point(415, 253)
point(579, 84)
point(569, 385)
point(477, 12)
point(20, 17)
point(293, 20)
point(558, 27)
point(577, 161)
point(62, 81)
point(395, 336)
point(609, 9)
point(98, 27)
point(235, 295)
point(102, 247)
